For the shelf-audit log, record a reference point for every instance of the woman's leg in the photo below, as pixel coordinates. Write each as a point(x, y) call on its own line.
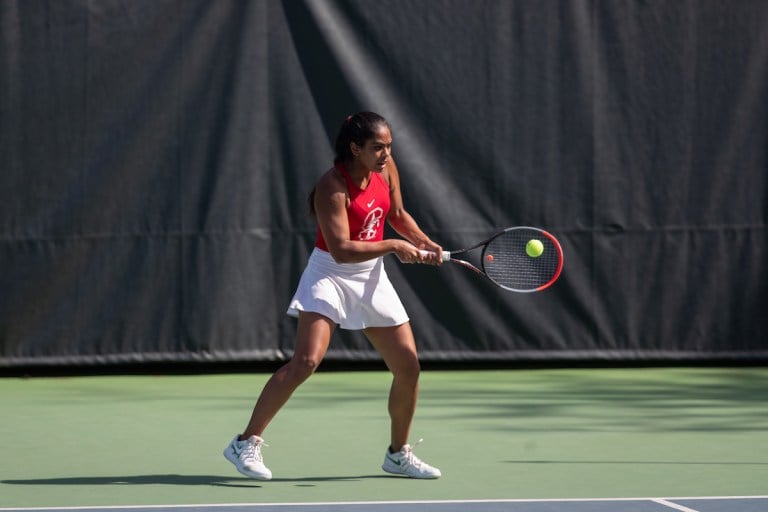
point(398, 349)
point(312, 338)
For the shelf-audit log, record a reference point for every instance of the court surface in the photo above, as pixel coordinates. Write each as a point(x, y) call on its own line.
point(686, 439)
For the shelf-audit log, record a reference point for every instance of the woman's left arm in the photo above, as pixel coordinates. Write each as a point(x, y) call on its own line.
point(402, 222)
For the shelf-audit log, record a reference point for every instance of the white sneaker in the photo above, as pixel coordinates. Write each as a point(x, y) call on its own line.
point(246, 456)
point(405, 462)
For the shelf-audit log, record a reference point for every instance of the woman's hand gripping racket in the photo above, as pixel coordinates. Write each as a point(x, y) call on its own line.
point(518, 259)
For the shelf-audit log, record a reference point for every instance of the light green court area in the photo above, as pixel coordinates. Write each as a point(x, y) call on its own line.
point(513, 434)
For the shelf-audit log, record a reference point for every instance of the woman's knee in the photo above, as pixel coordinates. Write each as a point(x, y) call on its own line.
point(302, 368)
point(407, 368)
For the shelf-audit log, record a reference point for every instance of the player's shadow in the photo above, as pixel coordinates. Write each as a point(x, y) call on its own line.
point(172, 479)
point(136, 480)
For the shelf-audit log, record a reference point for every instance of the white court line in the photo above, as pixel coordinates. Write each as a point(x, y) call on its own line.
point(675, 506)
point(414, 502)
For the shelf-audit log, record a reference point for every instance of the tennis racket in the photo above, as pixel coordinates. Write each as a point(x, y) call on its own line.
point(519, 259)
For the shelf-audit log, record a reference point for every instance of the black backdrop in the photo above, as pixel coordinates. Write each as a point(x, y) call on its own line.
point(156, 157)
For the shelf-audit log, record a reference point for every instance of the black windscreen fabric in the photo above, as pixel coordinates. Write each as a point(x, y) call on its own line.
point(156, 158)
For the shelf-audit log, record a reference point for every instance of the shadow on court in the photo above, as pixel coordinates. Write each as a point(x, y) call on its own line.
point(713, 400)
point(192, 480)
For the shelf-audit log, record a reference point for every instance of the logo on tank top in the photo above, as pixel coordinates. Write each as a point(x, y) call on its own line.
point(371, 224)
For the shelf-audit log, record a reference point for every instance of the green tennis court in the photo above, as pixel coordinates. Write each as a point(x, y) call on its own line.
point(512, 434)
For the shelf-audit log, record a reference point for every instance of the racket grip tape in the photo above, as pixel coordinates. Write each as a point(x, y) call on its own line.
point(446, 254)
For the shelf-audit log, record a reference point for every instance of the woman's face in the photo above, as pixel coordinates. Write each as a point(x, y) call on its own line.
point(375, 153)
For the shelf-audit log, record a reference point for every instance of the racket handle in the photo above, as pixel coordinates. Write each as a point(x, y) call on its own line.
point(446, 254)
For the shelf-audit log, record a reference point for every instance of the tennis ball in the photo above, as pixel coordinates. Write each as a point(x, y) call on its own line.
point(534, 248)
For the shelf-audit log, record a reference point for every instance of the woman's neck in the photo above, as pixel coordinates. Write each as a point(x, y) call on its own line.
point(360, 176)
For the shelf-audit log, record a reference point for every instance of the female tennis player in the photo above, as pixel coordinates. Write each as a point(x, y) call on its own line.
point(345, 284)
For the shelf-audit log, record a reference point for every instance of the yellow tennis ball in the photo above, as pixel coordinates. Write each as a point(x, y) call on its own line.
point(534, 248)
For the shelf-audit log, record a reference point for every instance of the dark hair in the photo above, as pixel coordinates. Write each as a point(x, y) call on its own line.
point(357, 128)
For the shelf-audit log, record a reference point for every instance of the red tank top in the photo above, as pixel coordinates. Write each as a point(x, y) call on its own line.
point(367, 209)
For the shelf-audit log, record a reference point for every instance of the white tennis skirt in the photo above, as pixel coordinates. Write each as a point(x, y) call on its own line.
point(353, 295)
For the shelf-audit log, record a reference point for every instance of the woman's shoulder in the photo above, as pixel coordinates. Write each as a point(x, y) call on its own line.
point(332, 181)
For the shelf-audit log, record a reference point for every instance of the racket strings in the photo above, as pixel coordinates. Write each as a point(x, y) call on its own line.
point(507, 263)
